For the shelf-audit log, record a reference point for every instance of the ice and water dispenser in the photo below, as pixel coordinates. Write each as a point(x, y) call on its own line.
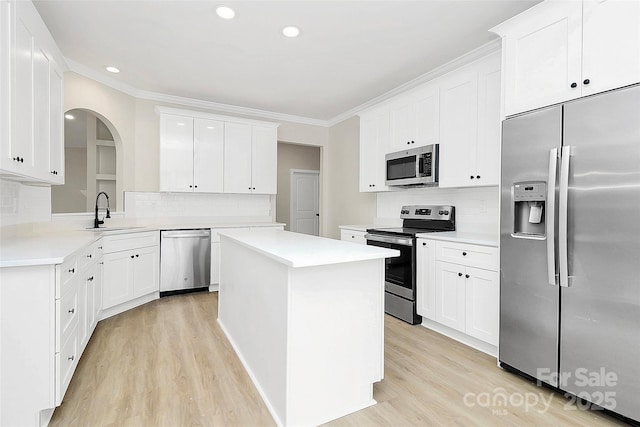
point(529, 200)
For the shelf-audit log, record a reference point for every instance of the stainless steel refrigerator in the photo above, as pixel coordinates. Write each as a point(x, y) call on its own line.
point(570, 248)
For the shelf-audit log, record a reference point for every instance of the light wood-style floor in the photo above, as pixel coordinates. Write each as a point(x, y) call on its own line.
point(167, 363)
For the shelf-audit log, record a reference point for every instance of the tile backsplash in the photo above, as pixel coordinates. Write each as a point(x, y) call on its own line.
point(23, 204)
point(239, 207)
point(476, 208)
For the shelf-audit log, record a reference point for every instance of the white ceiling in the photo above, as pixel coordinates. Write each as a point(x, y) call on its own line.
point(349, 52)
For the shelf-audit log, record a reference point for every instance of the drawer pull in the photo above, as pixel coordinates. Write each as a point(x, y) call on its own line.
point(70, 358)
point(464, 254)
point(72, 270)
point(132, 256)
point(89, 256)
point(99, 247)
point(466, 275)
point(90, 279)
point(73, 310)
point(459, 274)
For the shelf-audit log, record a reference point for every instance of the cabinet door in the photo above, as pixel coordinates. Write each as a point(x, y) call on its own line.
point(237, 158)
point(5, 85)
point(97, 292)
point(56, 140)
point(400, 123)
point(426, 278)
point(426, 115)
point(489, 122)
point(264, 160)
point(116, 285)
point(88, 314)
point(353, 236)
point(145, 271)
point(543, 50)
point(215, 263)
point(41, 114)
point(450, 295)
point(208, 155)
point(458, 128)
point(610, 44)
point(176, 153)
point(374, 138)
point(482, 304)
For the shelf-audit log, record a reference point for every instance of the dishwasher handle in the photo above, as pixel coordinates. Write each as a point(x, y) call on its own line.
point(181, 234)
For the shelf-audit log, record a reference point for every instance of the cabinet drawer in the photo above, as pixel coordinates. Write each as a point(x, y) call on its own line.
point(128, 241)
point(86, 256)
point(66, 361)
point(64, 273)
point(485, 257)
point(353, 236)
point(67, 313)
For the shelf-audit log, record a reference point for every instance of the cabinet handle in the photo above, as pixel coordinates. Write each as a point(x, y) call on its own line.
point(137, 255)
point(464, 254)
point(353, 237)
point(132, 256)
point(574, 85)
point(90, 279)
point(73, 310)
point(70, 358)
point(586, 81)
point(89, 256)
point(408, 142)
point(195, 186)
point(101, 262)
point(459, 274)
point(99, 247)
point(191, 186)
point(466, 276)
point(471, 177)
point(413, 142)
point(477, 176)
point(72, 270)
point(249, 188)
point(424, 244)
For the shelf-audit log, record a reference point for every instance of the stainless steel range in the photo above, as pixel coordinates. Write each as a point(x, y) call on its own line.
point(400, 272)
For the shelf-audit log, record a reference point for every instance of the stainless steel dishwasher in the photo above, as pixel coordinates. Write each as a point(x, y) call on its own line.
point(185, 260)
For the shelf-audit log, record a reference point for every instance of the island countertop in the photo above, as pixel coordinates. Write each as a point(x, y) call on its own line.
point(302, 250)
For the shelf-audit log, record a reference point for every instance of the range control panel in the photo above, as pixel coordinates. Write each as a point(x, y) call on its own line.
point(426, 212)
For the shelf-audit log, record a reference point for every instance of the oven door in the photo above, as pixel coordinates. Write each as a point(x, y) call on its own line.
point(399, 271)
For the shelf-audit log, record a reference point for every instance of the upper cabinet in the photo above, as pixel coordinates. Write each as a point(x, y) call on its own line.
point(250, 159)
point(561, 50)
point(191, 154)
point(209, 153)
point(374, 140)
point(31, 97)
point(470, 125)
point(414, 119)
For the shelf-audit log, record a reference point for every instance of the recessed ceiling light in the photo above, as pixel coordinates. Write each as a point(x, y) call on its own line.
point(291, 31)
point(69, 117)
point(112, 69)
point(225, 12)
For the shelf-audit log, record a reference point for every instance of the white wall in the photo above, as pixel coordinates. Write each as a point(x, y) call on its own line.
point(476, 208)
point(346, 205)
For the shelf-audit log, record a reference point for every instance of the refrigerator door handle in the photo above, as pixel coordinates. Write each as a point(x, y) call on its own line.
point(551, 218)
point(563, 216)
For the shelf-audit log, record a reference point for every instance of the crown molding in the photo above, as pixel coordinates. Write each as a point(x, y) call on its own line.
point(458, 62)
point(187, 102)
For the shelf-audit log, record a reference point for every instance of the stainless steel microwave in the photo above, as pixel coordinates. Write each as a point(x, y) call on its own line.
point(414, 167)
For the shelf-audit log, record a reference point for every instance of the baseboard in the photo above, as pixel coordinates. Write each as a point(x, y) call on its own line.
point(214, 288)
point(121, 308)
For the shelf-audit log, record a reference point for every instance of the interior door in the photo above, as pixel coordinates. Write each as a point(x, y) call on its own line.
point(528, 303)
point(600, 315)
point(305, 202)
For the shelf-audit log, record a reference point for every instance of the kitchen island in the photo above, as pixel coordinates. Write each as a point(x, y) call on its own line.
point(306, 317)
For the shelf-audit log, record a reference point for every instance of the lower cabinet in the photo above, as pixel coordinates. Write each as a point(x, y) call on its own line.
point(355, 236)
point(131, 267)
point(459, 287)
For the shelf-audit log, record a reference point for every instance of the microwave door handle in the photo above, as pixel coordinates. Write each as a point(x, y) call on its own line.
point(420, 166)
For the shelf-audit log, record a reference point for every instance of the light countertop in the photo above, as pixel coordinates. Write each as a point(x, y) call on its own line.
point(302, 250)
point(357, 227)
point(53, 247)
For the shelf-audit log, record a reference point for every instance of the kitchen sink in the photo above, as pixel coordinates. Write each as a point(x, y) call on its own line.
point(111, 228)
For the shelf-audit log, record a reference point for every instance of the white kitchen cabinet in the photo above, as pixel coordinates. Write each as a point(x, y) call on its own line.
point(191, 154)
point(458, 286)
point(414, 118)
point(470, 125)
point(250, 159)
point(426, 278)
point(131, 267)
point(374, 139)
point(561, 50)
point(354, 236)
point(31, 113)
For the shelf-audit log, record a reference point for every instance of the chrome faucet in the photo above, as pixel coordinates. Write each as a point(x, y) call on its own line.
point(96, 221)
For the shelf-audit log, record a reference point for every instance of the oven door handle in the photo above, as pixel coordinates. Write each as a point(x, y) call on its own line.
point(403, 241)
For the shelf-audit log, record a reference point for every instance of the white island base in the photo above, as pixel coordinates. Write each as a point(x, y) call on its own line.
point(308, 330)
